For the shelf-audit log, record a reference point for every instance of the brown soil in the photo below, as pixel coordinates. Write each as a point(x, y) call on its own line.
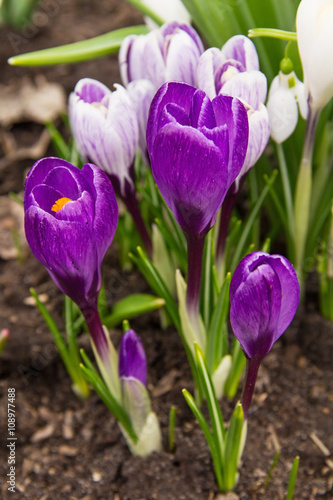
point(69, 449)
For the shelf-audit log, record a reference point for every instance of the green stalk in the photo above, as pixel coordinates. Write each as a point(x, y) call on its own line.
point(303, 192)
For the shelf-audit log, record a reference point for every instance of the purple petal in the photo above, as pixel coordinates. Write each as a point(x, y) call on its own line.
point(172, 92)
point(90, 90)
point(201, 112)
point(187, 169)
point(132, 357)
point(242, 49)
point(290, 291)
point(264, 295)
point(231, 112)
point(254, 311)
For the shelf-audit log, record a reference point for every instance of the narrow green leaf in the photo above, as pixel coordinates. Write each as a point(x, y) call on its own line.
point(217, 340)
point(102, 45)
point(132, 306)
point(147, 12)
point(207, 290)
point(61, 147)
point(292, 479)
point(208, 435)
point(110, 402)
point(232, 446)
point(272, 468)
point(250, 221)
point(154, 279)
point(215, 413)
point(237, 368)
point(172, 425)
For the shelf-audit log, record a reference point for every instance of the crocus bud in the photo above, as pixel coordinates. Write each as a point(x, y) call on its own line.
point(314, 23)
point(172, 10)
point(105, 130)
point(170, 52)
point(135, 397)
point(264, 295)
point(71, 217)
point(132, 357)
point(197, 148)
point(286, 94)
point(234, 70)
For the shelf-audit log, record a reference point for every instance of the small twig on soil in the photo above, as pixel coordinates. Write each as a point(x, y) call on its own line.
point(325, 451)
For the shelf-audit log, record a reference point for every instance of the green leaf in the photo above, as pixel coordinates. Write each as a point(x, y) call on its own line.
point(147, 12)
point(132, 306)
point(217, 339)
point(232, 447)
point(237, 368)
point(292, 479)
point(290, 36)
point(99, 46)
point(215, 413)
point(208, 435)
point(110, 402)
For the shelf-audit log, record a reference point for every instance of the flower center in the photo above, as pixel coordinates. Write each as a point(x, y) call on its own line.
point(59, 204)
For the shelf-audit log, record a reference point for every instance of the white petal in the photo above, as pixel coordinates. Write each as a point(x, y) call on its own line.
point(283, 114)
point(209, 61)
point(259, 130)
point(250, 87)
point(172, 10)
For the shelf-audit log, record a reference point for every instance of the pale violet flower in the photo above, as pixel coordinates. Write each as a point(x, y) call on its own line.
point(234, 70)
point(172, 10)
point(286, 95)
point(169, 53)
point(105, 130)
point(141, 93)
point(314, 24)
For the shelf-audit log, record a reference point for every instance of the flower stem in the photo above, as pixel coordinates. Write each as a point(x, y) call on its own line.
point(303, 192)
point(252, 367)
point(91, 315)
point(195, 247)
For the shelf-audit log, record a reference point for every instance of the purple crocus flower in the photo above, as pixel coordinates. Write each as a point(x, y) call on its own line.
point(71, 217)
point(105, 127)
point(132, 358)
point(197, 148)
point(264, 295)
point(168, 53)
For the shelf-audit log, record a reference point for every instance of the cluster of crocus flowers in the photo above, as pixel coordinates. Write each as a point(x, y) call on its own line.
point(71, 217)
point(105, 127)
point(197, 148)
point(234, 70)
point(264, 295)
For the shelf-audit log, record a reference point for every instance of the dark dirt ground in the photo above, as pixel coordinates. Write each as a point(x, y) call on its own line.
point(69, 449)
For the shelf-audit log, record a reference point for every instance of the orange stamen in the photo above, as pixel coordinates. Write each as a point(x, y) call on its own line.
point(59, 204)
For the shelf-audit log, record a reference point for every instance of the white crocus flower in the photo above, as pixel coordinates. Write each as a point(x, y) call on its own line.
point(286, 95)
point(172, 10)
point(314, 24)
